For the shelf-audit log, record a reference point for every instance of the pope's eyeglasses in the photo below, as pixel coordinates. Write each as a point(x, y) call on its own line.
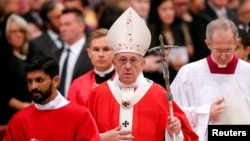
point(132, 61)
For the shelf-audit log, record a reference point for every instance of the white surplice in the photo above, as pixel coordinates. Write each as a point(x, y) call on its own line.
point(195, 88)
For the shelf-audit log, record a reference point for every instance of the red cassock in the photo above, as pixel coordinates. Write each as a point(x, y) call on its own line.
point(150, 113)
point(68, 123)
point(81, 87)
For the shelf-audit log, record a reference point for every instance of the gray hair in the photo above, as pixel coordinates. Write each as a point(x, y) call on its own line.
point(24, 26)
point(221, 25)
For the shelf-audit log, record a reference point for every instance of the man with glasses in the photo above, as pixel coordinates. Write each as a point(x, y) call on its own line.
point(214, 9)
point(203, 88)
point(131, 107)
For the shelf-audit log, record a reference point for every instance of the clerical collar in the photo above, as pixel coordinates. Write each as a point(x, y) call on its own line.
point(133, 85)
point(219, 65)
point(58, 102)
point(103, 73)
point(229, 69)
point(100, 79)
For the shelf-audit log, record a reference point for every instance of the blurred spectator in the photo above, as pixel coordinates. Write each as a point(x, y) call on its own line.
point(90, 17)
point(244, 15)
point(162, 17)
point(24, 6)
point(74, 60)
point(183, 19)
point(7, 7)
point(15, 54)
point(107, 14)
point(142, 7)
point(94, 3)
point(233, 4)
point(213, 9)
point(33, 17)
point(196, 6)
point(182, 9)
point(49, 43)
point(243, 48)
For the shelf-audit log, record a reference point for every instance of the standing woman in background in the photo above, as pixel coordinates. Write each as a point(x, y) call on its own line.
point(161, 18)
point(14, 54)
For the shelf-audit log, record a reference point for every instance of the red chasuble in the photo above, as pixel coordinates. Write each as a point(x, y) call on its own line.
point(81, 87)
point(68, 123)
point(150, 114)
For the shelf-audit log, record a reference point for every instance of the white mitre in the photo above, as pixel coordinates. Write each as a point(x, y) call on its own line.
point(129, 33)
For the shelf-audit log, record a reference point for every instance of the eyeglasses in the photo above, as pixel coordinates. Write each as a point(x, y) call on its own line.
point(16, 31)
point(220, 51)
point(132, 61)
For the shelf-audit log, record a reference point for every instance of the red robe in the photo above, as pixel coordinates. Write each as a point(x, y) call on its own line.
point(81, 88)
point(150, 114)
point(68, 123)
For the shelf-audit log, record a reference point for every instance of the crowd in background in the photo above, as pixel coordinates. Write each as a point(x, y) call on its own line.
point(36, 27)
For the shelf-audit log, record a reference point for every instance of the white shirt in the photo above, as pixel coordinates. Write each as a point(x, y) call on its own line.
point(75, 50)
point(221, 13)
point(55, 38)
point(58, 102)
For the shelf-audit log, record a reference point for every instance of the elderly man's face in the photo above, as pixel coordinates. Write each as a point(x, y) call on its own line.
point(222, 46)
point(128, 66)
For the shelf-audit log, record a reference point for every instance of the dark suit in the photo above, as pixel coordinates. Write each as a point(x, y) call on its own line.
point(198, 29)
point(46, 46)
point(241, 26)
point(83, 63)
